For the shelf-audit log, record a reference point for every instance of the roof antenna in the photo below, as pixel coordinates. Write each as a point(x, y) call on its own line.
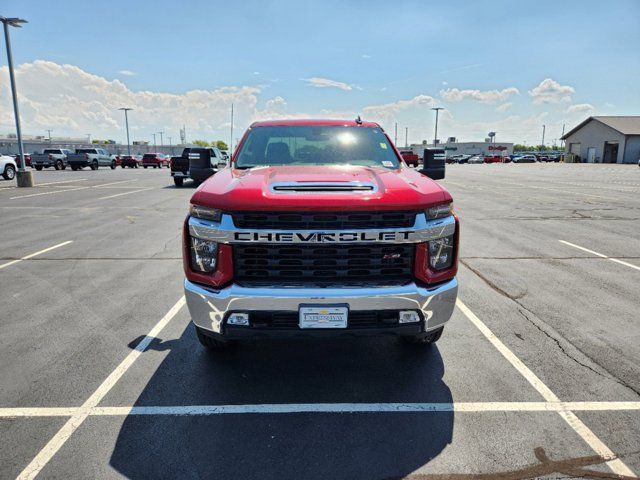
point(358, 120)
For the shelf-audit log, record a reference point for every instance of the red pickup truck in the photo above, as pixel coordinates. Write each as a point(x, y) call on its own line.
point(318, 228)
point(410, 158)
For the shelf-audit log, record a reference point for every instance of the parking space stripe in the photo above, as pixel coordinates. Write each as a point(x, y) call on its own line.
point(114, 183)
point(284, 408)
point(48, 193)
point(615, 464)
point(616, 260)
point(125, 193)
point(31, 255)
point(78, 418)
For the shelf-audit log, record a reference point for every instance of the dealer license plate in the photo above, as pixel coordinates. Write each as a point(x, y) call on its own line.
point(323, 317)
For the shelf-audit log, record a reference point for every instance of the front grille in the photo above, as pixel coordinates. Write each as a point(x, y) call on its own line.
point(290, 320)
point(322, 265)
point(323, 220)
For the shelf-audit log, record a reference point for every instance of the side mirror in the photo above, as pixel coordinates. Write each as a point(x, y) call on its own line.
point(434, 163)
point(222, 163)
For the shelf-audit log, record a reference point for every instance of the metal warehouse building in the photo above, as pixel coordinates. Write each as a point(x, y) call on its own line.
point(607, 139)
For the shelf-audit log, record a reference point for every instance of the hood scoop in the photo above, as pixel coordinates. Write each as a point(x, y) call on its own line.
point(323, 187)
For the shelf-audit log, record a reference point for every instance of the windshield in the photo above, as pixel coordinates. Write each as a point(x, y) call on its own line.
point(316, 145)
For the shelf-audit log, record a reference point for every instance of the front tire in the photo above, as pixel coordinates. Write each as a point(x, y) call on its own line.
point(38, 167)
point(178, 181)
point(113, 165)
point(94, 165)
point(211, 344)
point(425, 340)
point(9, 172)
point(58, 165)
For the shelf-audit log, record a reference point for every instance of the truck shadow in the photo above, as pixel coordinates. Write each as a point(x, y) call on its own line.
point(287, 445)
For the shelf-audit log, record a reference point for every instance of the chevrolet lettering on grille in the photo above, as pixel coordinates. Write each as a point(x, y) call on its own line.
point(321, 237)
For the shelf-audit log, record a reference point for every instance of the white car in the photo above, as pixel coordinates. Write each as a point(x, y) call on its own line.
point(476, 159)
point(8, 167)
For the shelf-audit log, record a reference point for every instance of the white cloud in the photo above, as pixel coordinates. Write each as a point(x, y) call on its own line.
point(127, 73)
point(276, 102)
point(319, 82)
point(580, 108)
point(550, 91)
point(504, 107)
point(73, 102)
point(389, 111)
point(483, 96)
point(364, 55)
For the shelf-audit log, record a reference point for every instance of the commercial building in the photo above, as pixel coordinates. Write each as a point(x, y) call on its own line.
point(605, 139)
point(453, 147)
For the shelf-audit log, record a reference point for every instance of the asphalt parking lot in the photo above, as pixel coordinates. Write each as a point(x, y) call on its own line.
point(537, 373)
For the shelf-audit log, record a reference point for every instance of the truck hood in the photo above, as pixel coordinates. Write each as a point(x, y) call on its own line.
point(286, 188)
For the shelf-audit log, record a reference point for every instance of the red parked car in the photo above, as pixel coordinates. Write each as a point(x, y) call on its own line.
point(410, 158)
point(131, 161)
point(27, 159)
point(155, 160)
point(493, 159)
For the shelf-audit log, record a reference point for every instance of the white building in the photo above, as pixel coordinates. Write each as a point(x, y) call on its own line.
point(453, 147)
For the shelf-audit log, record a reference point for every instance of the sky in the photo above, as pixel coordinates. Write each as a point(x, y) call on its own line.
point(494, 65)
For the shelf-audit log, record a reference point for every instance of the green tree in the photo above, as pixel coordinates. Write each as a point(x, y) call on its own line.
point(220, 144)
point(518, 147)
point(201, 143)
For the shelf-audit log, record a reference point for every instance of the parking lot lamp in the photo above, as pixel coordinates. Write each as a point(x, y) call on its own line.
point(170, 146)
point(126, 121)
point(161, 141)
point(435, 137)
point(154, 142)
point(24, 178)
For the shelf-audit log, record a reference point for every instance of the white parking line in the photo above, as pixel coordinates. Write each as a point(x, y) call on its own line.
point(78, 418)
point(615, 464)
point(114, 183)
point(125, 193)
point(284, 408)
point(48, 193)
point(31, 255)
point(621, 262)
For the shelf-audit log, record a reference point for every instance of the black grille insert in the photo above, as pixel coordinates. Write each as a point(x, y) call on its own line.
point(356, 319)
point(323, 265)
point(323, 220)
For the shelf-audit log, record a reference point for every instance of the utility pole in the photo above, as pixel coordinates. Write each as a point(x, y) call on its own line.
point(406, 137)
point(170, 147)
point(161, 141)
point(435, 138)
point(25, 179)
point(126, 121)
point(395, 137)
point(231, 135)
point(544, 127)
point(49, 132)
point(154, 141)
point(562, 139)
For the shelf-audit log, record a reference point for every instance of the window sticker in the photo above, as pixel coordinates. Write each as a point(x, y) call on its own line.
point(387, 163)
point(383, 145)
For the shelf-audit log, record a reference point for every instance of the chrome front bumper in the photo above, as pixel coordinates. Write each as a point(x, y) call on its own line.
point(208, 306)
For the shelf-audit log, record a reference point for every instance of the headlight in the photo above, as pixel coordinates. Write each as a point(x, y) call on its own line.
point(439, 211)
point(204, 255)
point(205, 213)
point(441, 253)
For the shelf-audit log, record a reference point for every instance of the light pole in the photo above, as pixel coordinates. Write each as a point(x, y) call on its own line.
point(126, 121)
point(231, 134)
point(170, 147)
point(395, 136)
point(161, 141)
point(435, 137)
point(49, 132)
point(544, 127)
point(406, 137)
point(154, 141)
point(24, 178)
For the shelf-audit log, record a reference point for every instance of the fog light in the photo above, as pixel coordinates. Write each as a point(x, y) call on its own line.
point(408, 316)
point(240, 319)
point(441, 253)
